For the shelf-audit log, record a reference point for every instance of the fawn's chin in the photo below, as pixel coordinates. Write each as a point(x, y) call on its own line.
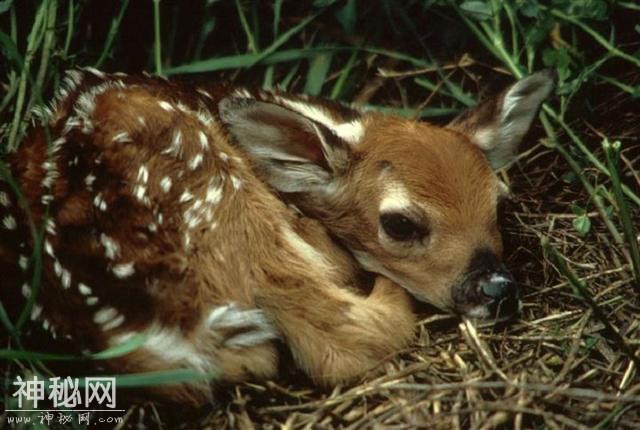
point(493, 314)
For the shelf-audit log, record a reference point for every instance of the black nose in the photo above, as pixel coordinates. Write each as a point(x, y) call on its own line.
point(502, 292)
point(489, 285)
point(497, 285)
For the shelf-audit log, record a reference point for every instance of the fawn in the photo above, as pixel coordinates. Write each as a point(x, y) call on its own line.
point(217, 220)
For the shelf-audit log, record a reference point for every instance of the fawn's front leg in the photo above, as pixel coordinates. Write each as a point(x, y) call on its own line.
point(336, 335)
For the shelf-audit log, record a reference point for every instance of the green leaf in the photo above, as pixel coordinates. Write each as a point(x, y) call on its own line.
point(347, 16)
point(582, 224)
point(163, 377)
point(578, 210)
point(530, 8)
point(477, 9)
point(318, 69)
point(5, 5)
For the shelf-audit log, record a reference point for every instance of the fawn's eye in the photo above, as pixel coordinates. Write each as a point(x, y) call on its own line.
point(401, 228)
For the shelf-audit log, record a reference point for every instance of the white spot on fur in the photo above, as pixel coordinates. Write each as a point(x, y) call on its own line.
point(143, 174)
point(214, 194)
point(36, 311)
point(104, 315)
point(50, 226)
point(89, 180)
point(23, 262)
point(140, 191)
point(236, 182)
point(165, 184)
point(204, 142)
point(195, 162)
point(48, 248)
point(186, 196)
point(99, 202)
point(26, 290)
point(95, 72)
point(9, 222)
point(46, 199)
point(122, 137)
point(175, 148)
point(123, 270)
point(204, 93)
point(111, 247)
point(166, 106)
point(114, 323)
point(84, 289)
point(57, 268)
point(92, 300)
point(4, 199)
point(65, 278)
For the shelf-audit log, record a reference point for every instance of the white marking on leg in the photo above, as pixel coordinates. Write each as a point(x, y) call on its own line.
point(168, 344)
point(230, 316)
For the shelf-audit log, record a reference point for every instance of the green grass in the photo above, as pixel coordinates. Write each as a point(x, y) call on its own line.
point(421, 59)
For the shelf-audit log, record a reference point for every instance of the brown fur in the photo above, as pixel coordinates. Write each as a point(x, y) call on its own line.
point(214, 267)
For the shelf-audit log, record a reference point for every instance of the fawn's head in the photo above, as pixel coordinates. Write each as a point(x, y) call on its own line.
point(412, 201)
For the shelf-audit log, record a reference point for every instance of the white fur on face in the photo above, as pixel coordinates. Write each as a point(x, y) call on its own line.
point(394, 198)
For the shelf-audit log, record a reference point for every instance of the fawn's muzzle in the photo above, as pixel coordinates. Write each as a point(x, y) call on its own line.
point(487, 290)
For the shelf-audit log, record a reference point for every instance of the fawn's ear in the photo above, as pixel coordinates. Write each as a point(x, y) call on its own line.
point(290, 144)
point(498, 125)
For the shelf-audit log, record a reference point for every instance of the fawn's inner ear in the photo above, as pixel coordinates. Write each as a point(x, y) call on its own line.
point(294, 152)
point(498, 125)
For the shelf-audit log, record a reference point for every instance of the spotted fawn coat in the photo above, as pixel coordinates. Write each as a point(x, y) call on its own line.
point(218, 221)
